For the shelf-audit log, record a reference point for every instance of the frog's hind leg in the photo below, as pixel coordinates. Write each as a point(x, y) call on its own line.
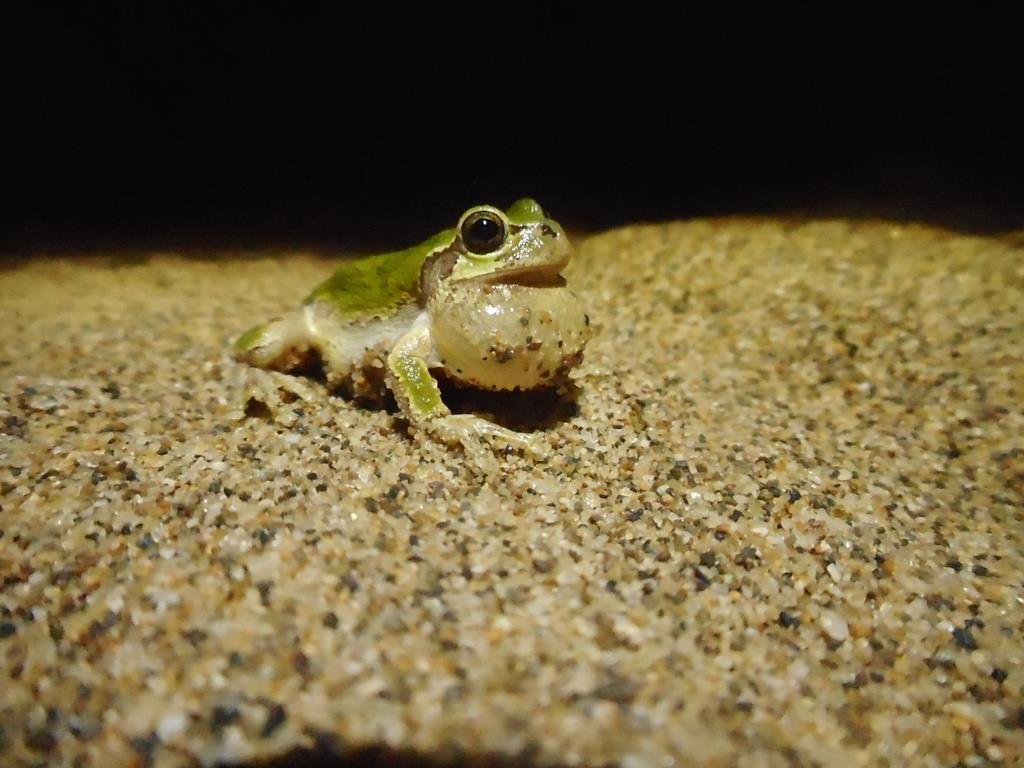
point(283, 344)
point(314, 340)
point(299, 343)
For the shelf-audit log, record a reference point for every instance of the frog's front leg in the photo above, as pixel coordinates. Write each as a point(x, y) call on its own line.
point(419, 397)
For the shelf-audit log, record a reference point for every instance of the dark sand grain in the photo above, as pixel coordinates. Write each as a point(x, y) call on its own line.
point(784, 527)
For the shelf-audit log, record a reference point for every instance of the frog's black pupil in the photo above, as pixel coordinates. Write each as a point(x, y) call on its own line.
point(483, 234)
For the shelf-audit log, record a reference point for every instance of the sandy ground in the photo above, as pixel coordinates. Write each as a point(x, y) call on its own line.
point(782, 524)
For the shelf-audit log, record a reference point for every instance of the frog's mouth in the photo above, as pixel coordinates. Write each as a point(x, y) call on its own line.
point(535, 277)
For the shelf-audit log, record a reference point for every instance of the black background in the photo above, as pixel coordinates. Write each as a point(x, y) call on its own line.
point(253, 130)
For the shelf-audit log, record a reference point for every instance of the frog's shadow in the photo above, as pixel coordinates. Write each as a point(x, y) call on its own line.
point(529, 411)
point(522, 411)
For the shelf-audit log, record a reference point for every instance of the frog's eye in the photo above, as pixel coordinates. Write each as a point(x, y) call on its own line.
point(483, 231)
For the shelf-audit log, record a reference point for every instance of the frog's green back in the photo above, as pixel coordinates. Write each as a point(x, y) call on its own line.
point(379, 284)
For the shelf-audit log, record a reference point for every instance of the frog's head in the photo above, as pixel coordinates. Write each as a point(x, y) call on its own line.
point(520, 245)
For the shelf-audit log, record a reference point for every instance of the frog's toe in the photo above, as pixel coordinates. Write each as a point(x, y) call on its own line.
point(472, 431)
point(535, 446)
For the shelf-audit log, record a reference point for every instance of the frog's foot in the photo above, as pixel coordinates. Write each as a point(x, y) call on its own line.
point(470, 431)
point(268, 395)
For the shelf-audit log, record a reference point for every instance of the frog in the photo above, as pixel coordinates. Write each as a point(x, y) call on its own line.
point(484, 304)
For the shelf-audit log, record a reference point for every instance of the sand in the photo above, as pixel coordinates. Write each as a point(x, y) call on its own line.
point(782, 524)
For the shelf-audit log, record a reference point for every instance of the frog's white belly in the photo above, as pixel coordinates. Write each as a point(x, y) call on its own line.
point(348, 347)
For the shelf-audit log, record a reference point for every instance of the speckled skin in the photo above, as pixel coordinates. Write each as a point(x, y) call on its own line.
point(540, 334)
point(783, 528)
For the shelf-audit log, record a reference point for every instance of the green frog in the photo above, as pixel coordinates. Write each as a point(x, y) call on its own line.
point(485, 303)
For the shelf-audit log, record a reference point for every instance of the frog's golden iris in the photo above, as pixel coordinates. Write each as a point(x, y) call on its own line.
point(483, 231)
